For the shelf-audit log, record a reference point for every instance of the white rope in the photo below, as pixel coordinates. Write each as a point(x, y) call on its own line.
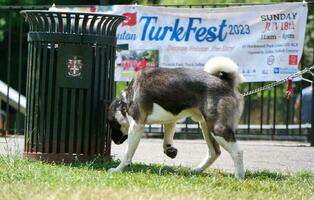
point(271, 85)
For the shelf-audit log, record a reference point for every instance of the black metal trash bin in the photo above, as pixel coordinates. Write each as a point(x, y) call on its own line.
point(69, 83)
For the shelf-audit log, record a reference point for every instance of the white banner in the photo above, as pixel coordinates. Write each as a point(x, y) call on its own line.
point(266, 41)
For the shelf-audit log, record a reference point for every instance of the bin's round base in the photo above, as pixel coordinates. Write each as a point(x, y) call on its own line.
point(65, 157)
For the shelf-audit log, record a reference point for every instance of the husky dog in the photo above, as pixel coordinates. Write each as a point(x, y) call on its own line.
point(163, 95)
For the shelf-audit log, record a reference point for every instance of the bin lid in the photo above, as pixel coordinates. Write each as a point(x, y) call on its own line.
point(94, 23)
point(59, 11)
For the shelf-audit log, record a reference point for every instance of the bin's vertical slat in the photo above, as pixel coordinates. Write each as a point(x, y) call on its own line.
point(31, 91)
point(109, 85)
point(60, 23)
point(64, 111)
point(102, 131)
point(30, 23)
point(34, 23)
point(43, 101)
point(109, 30)
point(94, 102)
point(52, 26)
point(68, 23)
point(84, 24)
point(76, 23)
point(46, 25)
point(36, 99)
point(40, 22)
point(59, 113)
point(108, 97)
point(55, 120)
point(103, 78)
point(92, 107)
point(32, 96)
point(50, 96)
point(87, 121)
point(28, 133)
point(112, 54)
point(73, 119)
point(28, 92)
point(99, 25)
point(80, 124)
point(69, 117)
point(104, 25)
point(103, 89)
point(110, 89)
point(115, 27)
point(104, 72)
point(92, 24)
point(95, 105)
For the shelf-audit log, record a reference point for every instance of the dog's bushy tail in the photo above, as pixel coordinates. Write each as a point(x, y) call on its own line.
point(224, 68)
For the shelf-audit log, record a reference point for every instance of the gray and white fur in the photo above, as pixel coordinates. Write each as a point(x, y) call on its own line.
point(162, 95)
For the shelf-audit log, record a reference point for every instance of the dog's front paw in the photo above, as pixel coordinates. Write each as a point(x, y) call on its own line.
point(196, 170)
point(171, 152)
point(114, 170)
point(240, 175)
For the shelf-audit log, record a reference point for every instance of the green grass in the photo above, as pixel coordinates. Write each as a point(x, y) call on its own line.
point(24, 179)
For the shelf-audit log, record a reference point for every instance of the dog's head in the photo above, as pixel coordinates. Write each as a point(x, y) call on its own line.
point(118, 121)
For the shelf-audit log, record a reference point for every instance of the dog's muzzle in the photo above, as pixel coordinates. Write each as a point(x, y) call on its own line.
point(116, 134)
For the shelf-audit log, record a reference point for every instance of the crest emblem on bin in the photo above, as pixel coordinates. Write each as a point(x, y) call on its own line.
point(74, 66)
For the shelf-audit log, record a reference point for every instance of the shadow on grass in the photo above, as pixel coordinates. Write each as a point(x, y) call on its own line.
point(178, 170)
point(265, 175)
point(163, 170)
point(143, 168)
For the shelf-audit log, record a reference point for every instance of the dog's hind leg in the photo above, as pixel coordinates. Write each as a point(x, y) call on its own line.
point(169, 150)
point(236, 154)
point(135, 133)
point(213, 150)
